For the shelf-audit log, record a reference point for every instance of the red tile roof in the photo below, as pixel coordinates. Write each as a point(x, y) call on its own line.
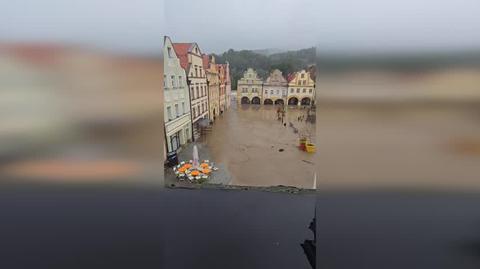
point(290, 77)
point(206, 61)
point(182, 50)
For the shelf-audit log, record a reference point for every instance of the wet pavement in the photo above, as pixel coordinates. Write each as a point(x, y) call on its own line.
point(221, 176)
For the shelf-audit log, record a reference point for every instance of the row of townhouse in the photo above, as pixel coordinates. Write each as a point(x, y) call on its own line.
point(196, 91)
point(297, 89)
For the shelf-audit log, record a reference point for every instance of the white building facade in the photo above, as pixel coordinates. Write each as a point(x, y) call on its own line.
point(191, 61)
point(275, 89)
point(177, 118)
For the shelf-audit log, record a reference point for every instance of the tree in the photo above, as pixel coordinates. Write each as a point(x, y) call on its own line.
point(287, 62)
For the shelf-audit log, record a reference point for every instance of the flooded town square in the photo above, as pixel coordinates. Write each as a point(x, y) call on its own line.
point(259, 150)
point(233, 123)
point(252, 147)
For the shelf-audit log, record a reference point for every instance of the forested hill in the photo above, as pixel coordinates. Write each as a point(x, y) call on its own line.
point(286, 62)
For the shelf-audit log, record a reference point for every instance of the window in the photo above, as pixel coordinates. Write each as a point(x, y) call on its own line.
point(173, 81)
point(170, 52)
point(278, 92)
point(291, 90)
point(183, 108)
point(176, 110)
point(298, 90)
point(271, 91)
point(198, 93)
point(192, 93)
point(180, 81)
point(310, 91)
point(304, 90)
point(165, 82)
point(266, 92)
point(196, 71)
point(169, 113)
point(194, 113)
point(302, 76)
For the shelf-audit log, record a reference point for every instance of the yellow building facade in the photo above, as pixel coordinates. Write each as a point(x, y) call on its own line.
point(301, 89)
point(249, 88)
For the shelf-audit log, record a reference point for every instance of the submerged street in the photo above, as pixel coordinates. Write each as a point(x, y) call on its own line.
point(258, 150)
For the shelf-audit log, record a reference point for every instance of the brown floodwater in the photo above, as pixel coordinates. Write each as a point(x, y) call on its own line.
point(393, 144)
point(258, 150)
point(390, 129)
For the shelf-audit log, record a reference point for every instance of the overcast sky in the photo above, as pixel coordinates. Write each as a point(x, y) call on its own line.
point(342, 25)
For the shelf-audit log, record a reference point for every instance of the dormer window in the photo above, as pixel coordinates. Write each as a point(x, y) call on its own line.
point(170, 54)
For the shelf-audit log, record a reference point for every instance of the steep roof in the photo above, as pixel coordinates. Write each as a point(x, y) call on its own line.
point(221, 72)
point(206, 61)
point(290, 77)
point(182, 50)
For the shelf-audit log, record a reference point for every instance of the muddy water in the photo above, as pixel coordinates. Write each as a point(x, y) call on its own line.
point(259, 150)
point(433, 146)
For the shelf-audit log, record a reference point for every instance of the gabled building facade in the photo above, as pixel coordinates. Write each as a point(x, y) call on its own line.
point(301, 89)
point(249, 88)
point(213, 83)
point(275, 89)
point(222, 87)
point(225, 86)
point(228, 86)
point(177, 118)
point(191, 61)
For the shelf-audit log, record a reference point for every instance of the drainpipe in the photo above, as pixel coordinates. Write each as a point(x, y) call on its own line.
point(166, 142)
point(190, 102)
point(208, 98)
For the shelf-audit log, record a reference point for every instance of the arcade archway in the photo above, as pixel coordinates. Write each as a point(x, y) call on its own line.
point(245, 100)
point(293, 101)
point(305, 101)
